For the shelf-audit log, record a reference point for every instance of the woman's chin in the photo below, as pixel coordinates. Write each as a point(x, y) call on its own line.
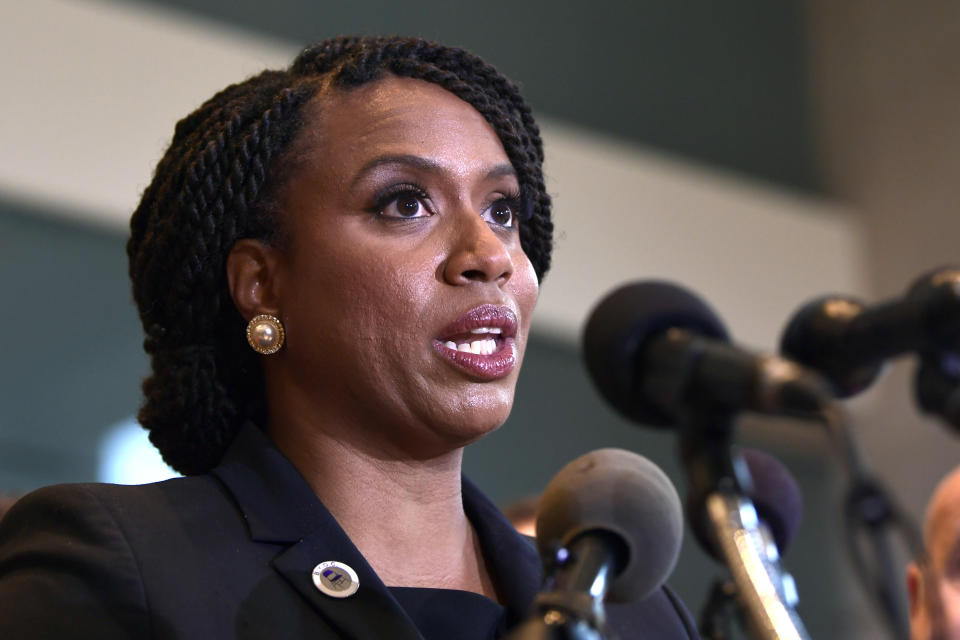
point(484, 412)
point(455, 431)
point(481, 431)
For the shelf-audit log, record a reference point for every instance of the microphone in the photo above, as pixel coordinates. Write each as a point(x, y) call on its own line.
point(610, 525)
point(775, 495)
point(655, 350)
point(777, 503)
point(848, 341)
point(661, 357)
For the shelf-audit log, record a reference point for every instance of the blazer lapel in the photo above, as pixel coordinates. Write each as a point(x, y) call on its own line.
point(513, 558)
point(280, 508)
point(369, 614)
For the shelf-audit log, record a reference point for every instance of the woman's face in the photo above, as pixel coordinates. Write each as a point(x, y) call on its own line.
point(401, 251)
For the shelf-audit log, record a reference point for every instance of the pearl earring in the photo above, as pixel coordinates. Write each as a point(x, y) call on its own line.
point(265, 333)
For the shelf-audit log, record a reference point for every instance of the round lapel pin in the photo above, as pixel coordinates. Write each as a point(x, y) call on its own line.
point(335, 579)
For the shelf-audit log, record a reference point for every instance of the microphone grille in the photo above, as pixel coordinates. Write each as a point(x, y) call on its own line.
point(625, 494)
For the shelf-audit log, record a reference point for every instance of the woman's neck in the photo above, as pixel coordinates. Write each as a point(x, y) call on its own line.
point(405, 515)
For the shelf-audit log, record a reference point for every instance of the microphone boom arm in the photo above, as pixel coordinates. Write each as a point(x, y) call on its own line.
point(766, 591)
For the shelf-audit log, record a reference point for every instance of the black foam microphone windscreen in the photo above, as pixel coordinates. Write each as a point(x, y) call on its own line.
point(623, 324)
point(656, 351)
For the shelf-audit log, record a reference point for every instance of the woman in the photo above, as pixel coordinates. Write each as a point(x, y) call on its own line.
point(374, 221)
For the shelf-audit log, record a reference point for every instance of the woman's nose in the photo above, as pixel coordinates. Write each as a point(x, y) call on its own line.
point(477, 253)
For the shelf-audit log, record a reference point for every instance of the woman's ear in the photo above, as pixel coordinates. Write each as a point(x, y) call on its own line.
point(253, 277)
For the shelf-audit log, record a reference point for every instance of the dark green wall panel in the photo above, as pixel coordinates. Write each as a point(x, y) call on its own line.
point(72, 358)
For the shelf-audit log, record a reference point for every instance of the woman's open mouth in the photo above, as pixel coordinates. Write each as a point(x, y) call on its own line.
point(481, 342)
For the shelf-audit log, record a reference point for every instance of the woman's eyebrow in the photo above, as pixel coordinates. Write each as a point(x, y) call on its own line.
point(424, 164)
point(500, 170)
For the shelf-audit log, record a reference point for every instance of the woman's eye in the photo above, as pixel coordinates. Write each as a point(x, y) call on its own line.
point(501, 213)
point(408, 203)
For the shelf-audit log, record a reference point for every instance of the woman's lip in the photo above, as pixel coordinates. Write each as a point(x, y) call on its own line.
point(483, 367)
point(494, 366)
point(485, 315)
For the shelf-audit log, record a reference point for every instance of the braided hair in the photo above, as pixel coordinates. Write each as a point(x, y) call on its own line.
point(215, 184)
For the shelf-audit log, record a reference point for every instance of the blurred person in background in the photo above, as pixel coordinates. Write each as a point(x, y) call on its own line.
point(933, 582)
point(522, 514)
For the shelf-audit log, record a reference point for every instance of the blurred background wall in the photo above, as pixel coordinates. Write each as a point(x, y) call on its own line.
point(759, 153)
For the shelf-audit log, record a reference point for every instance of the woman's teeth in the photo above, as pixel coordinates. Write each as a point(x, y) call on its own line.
point(483, 347)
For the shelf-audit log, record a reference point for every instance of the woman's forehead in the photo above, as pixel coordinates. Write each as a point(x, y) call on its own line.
point(398, 116)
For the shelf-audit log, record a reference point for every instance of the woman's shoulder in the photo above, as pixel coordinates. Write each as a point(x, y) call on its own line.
point(85, 558)
point(68, 504)
point(66, 565)
point(96, 518)
point(79, 526)
point(157, 515)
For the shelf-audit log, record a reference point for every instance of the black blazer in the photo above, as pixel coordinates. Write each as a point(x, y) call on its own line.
point(230, 555)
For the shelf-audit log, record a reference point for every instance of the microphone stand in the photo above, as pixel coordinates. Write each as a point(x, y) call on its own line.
point(716, 619)
point(871, 517)
point(766, 592)
point(720, 480)
point(572, 607)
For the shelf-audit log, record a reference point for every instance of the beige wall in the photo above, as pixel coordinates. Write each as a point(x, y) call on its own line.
point(886, 78)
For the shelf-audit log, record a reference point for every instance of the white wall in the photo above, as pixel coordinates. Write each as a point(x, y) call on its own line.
point(93, 90)
point(624, 213)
